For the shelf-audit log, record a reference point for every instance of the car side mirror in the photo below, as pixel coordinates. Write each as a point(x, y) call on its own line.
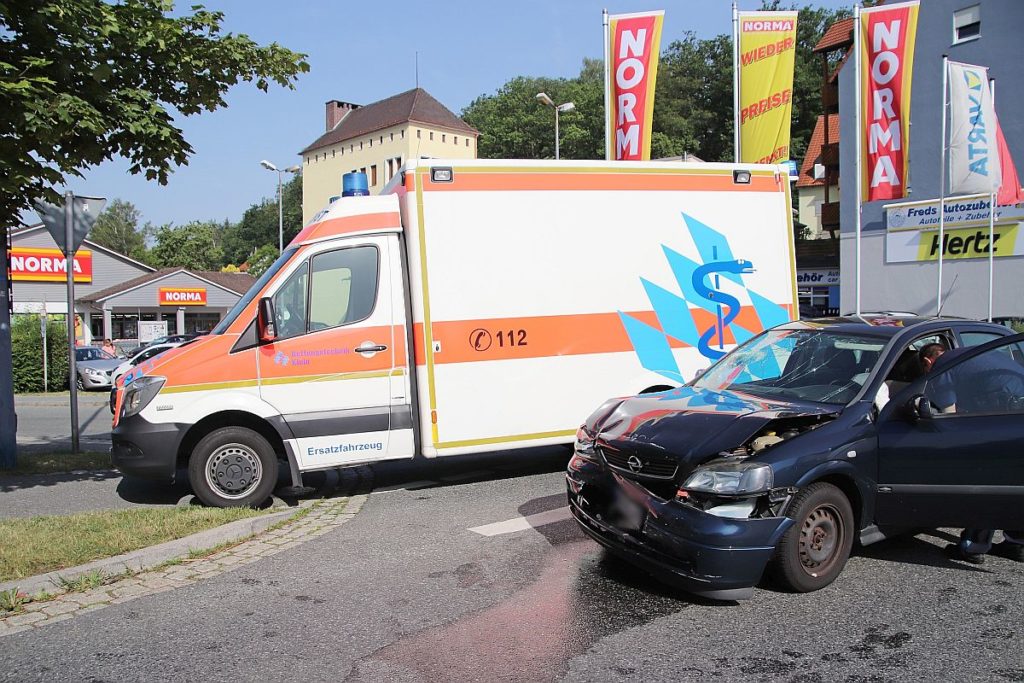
point(919, 408)
point(266, 329)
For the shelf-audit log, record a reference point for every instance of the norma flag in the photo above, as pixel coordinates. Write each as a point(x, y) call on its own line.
point(767, 53)
point(886, 37)
point(182, 296)
point(631, 49)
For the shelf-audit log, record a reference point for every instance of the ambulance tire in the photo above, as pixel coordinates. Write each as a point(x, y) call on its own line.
point(233, 467)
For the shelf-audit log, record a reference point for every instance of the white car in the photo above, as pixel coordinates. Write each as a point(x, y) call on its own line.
point(143, 355)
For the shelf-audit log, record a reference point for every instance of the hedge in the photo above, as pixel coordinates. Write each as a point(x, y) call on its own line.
point(27, 354)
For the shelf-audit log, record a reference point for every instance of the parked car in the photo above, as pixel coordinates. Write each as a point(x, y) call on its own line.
point(169, 339)
point(145, 354)
point(94, 367)
point(787, 450)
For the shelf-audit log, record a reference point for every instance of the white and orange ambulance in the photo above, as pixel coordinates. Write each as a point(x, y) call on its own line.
point(474, 306)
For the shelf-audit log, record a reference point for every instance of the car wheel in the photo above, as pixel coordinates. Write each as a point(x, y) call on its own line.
point(814, 550)
point(233, 467)
point(80, 384)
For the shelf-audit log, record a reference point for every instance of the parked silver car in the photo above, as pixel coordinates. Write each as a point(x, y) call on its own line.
point(95, 367)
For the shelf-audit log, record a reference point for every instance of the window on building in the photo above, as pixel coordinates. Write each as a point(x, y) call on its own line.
point(467, 142)
point(444, 138)
point(382, 139)
point(332, 153)
point(351, 147)
point(392, 137)
point(431, 135)
point(363, 170)
point(402, 134)
point(390, 170)
point(455, 139)
point(360, 144)
point(373, 175)
point(967, 24)
point(371, 142)
point(419, 133)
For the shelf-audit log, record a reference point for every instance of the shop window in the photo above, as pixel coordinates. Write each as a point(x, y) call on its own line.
point(967, 24)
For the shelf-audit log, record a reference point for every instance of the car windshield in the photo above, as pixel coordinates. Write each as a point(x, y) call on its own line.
point(91, 354)
point(256, 288)
point(804, 365)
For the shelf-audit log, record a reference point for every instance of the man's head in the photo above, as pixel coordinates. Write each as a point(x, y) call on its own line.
point(928, 354)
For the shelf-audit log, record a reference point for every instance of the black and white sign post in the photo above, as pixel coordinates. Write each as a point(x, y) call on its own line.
point(79, 214)
point(8, 420)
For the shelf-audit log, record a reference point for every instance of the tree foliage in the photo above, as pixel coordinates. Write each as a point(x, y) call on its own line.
point(195, 246)
point(27, 354)
point(118, 228)
point(84, 80)
point(262, 259)
point(259, 224)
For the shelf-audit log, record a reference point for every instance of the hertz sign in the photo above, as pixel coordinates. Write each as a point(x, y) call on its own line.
point(182, 296)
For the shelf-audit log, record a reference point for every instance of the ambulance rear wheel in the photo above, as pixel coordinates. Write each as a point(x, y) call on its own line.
point(233, 467)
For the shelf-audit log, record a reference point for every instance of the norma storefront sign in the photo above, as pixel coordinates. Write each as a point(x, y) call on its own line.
point(48, 265)
point(183, 296)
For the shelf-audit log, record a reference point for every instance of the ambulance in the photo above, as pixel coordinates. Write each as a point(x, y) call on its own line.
point(472, 306)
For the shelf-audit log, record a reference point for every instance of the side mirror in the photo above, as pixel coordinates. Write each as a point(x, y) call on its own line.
point(919, 408)
point(266, 330)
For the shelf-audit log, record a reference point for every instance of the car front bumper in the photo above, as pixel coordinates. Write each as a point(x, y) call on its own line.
point(143, 449)
point(715, 557)
point(95, 381)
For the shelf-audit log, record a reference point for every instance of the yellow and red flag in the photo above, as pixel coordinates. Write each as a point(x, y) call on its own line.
point(632, 44)
point(765, 57)
point(886, 34)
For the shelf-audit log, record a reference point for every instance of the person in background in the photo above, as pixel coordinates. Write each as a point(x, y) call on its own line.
point(109, 347)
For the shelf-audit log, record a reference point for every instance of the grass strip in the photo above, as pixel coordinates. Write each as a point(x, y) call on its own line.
point(37, 545)
point(51, 463)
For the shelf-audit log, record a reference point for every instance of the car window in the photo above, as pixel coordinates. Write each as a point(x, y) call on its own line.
point(977, 338)
point(989, 383)
point(344, 287)
point(290, 305)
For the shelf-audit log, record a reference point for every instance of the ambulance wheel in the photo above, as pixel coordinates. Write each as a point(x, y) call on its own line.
point(233, 467)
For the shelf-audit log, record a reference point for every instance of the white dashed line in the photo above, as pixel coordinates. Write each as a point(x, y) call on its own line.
point(522, 523)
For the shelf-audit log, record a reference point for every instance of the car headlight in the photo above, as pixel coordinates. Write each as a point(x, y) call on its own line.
point(731, 478)
point(584, 446)
point(94, 372)
point(139, 393)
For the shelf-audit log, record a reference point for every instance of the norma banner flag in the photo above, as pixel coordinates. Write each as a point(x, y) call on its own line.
point(632, 46)
point(973, 149)
point(887, 35)
point(767, 53)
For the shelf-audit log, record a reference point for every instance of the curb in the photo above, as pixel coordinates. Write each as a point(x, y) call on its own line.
point(146, 558)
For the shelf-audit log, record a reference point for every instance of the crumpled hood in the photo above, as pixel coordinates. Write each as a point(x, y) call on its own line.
point(689, 424)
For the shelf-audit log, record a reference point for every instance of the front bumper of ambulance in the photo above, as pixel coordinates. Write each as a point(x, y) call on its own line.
point(139, 447)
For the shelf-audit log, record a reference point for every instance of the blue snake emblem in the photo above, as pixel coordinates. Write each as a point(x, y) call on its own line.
point(719, 298)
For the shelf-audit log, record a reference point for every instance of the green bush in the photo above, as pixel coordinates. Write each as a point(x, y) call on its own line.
point(27, 354)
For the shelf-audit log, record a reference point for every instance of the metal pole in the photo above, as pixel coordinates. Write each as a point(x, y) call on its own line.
point(991, 220)
point(736, 82)
point(608, 154)
point(42, 330)
point(280, 216)
point(556, 133)
point(8, 418)
point(69, 256)
point(942, 179)
point(858, 131)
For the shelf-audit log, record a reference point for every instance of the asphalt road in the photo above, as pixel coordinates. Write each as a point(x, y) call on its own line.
point(408, 591)
point(44, 421)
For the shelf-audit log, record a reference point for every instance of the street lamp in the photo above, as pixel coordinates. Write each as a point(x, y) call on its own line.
point(543, 98)
point(280, 205)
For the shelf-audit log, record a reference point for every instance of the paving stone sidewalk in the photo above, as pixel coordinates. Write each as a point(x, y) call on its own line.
point(322, 518)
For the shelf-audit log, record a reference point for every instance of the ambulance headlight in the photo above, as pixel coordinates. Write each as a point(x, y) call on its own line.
point(139, 393)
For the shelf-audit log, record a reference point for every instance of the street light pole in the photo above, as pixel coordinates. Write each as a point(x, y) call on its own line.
point(544, 99)
point(280, 199)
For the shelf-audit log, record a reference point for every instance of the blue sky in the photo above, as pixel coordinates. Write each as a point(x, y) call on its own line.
point(363, 52)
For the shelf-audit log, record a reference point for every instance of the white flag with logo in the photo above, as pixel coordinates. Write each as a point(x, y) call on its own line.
point(973, 149)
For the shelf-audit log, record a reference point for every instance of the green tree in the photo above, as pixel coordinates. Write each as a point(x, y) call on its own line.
point(27, 356)
point(84, 80)
point(118, 228)
point(259, 223)
point(262, 259)
point(193, 246)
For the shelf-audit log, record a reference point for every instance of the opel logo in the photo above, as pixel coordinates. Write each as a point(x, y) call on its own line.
point(635, 464)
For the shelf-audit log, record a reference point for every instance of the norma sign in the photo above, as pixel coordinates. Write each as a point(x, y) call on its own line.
point(183, 296)
point(48, 265)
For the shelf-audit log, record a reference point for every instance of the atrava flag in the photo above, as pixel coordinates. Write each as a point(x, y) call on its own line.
point(887, 34)
point(973, 148)
point(767, 54)
point(634, 41)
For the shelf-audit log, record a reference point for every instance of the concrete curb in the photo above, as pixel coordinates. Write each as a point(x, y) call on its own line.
point(146, 558)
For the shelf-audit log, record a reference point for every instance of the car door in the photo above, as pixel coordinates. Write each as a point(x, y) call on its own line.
point(330, 370)
point(959, 459)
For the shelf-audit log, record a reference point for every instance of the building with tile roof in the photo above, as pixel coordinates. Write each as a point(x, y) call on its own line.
point(814, 180)
point(377, 139)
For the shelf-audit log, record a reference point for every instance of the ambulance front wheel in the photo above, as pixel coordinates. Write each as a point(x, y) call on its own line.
point(233, 467)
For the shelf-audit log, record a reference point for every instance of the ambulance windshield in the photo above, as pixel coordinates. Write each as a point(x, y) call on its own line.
point(256, 288)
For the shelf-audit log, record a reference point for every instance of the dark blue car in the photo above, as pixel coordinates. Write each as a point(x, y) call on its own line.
point(806, 438)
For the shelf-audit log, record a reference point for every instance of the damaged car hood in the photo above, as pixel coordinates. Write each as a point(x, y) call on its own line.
point(690, 425)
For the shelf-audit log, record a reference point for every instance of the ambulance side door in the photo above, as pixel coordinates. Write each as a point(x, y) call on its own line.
point(329, 372)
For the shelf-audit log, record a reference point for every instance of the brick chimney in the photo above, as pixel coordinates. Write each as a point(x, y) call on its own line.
point(336, 111)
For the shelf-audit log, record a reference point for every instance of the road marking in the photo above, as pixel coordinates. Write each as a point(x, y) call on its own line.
point(515, 524)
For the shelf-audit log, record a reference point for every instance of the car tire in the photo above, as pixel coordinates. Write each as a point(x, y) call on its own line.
point(814, 550)
point(80, 384)
point(233, 467)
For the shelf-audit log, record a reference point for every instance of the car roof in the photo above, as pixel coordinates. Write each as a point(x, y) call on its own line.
point(885, 324)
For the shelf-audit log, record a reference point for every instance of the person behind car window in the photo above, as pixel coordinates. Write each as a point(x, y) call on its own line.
point(909, 369)
point(108, 347)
